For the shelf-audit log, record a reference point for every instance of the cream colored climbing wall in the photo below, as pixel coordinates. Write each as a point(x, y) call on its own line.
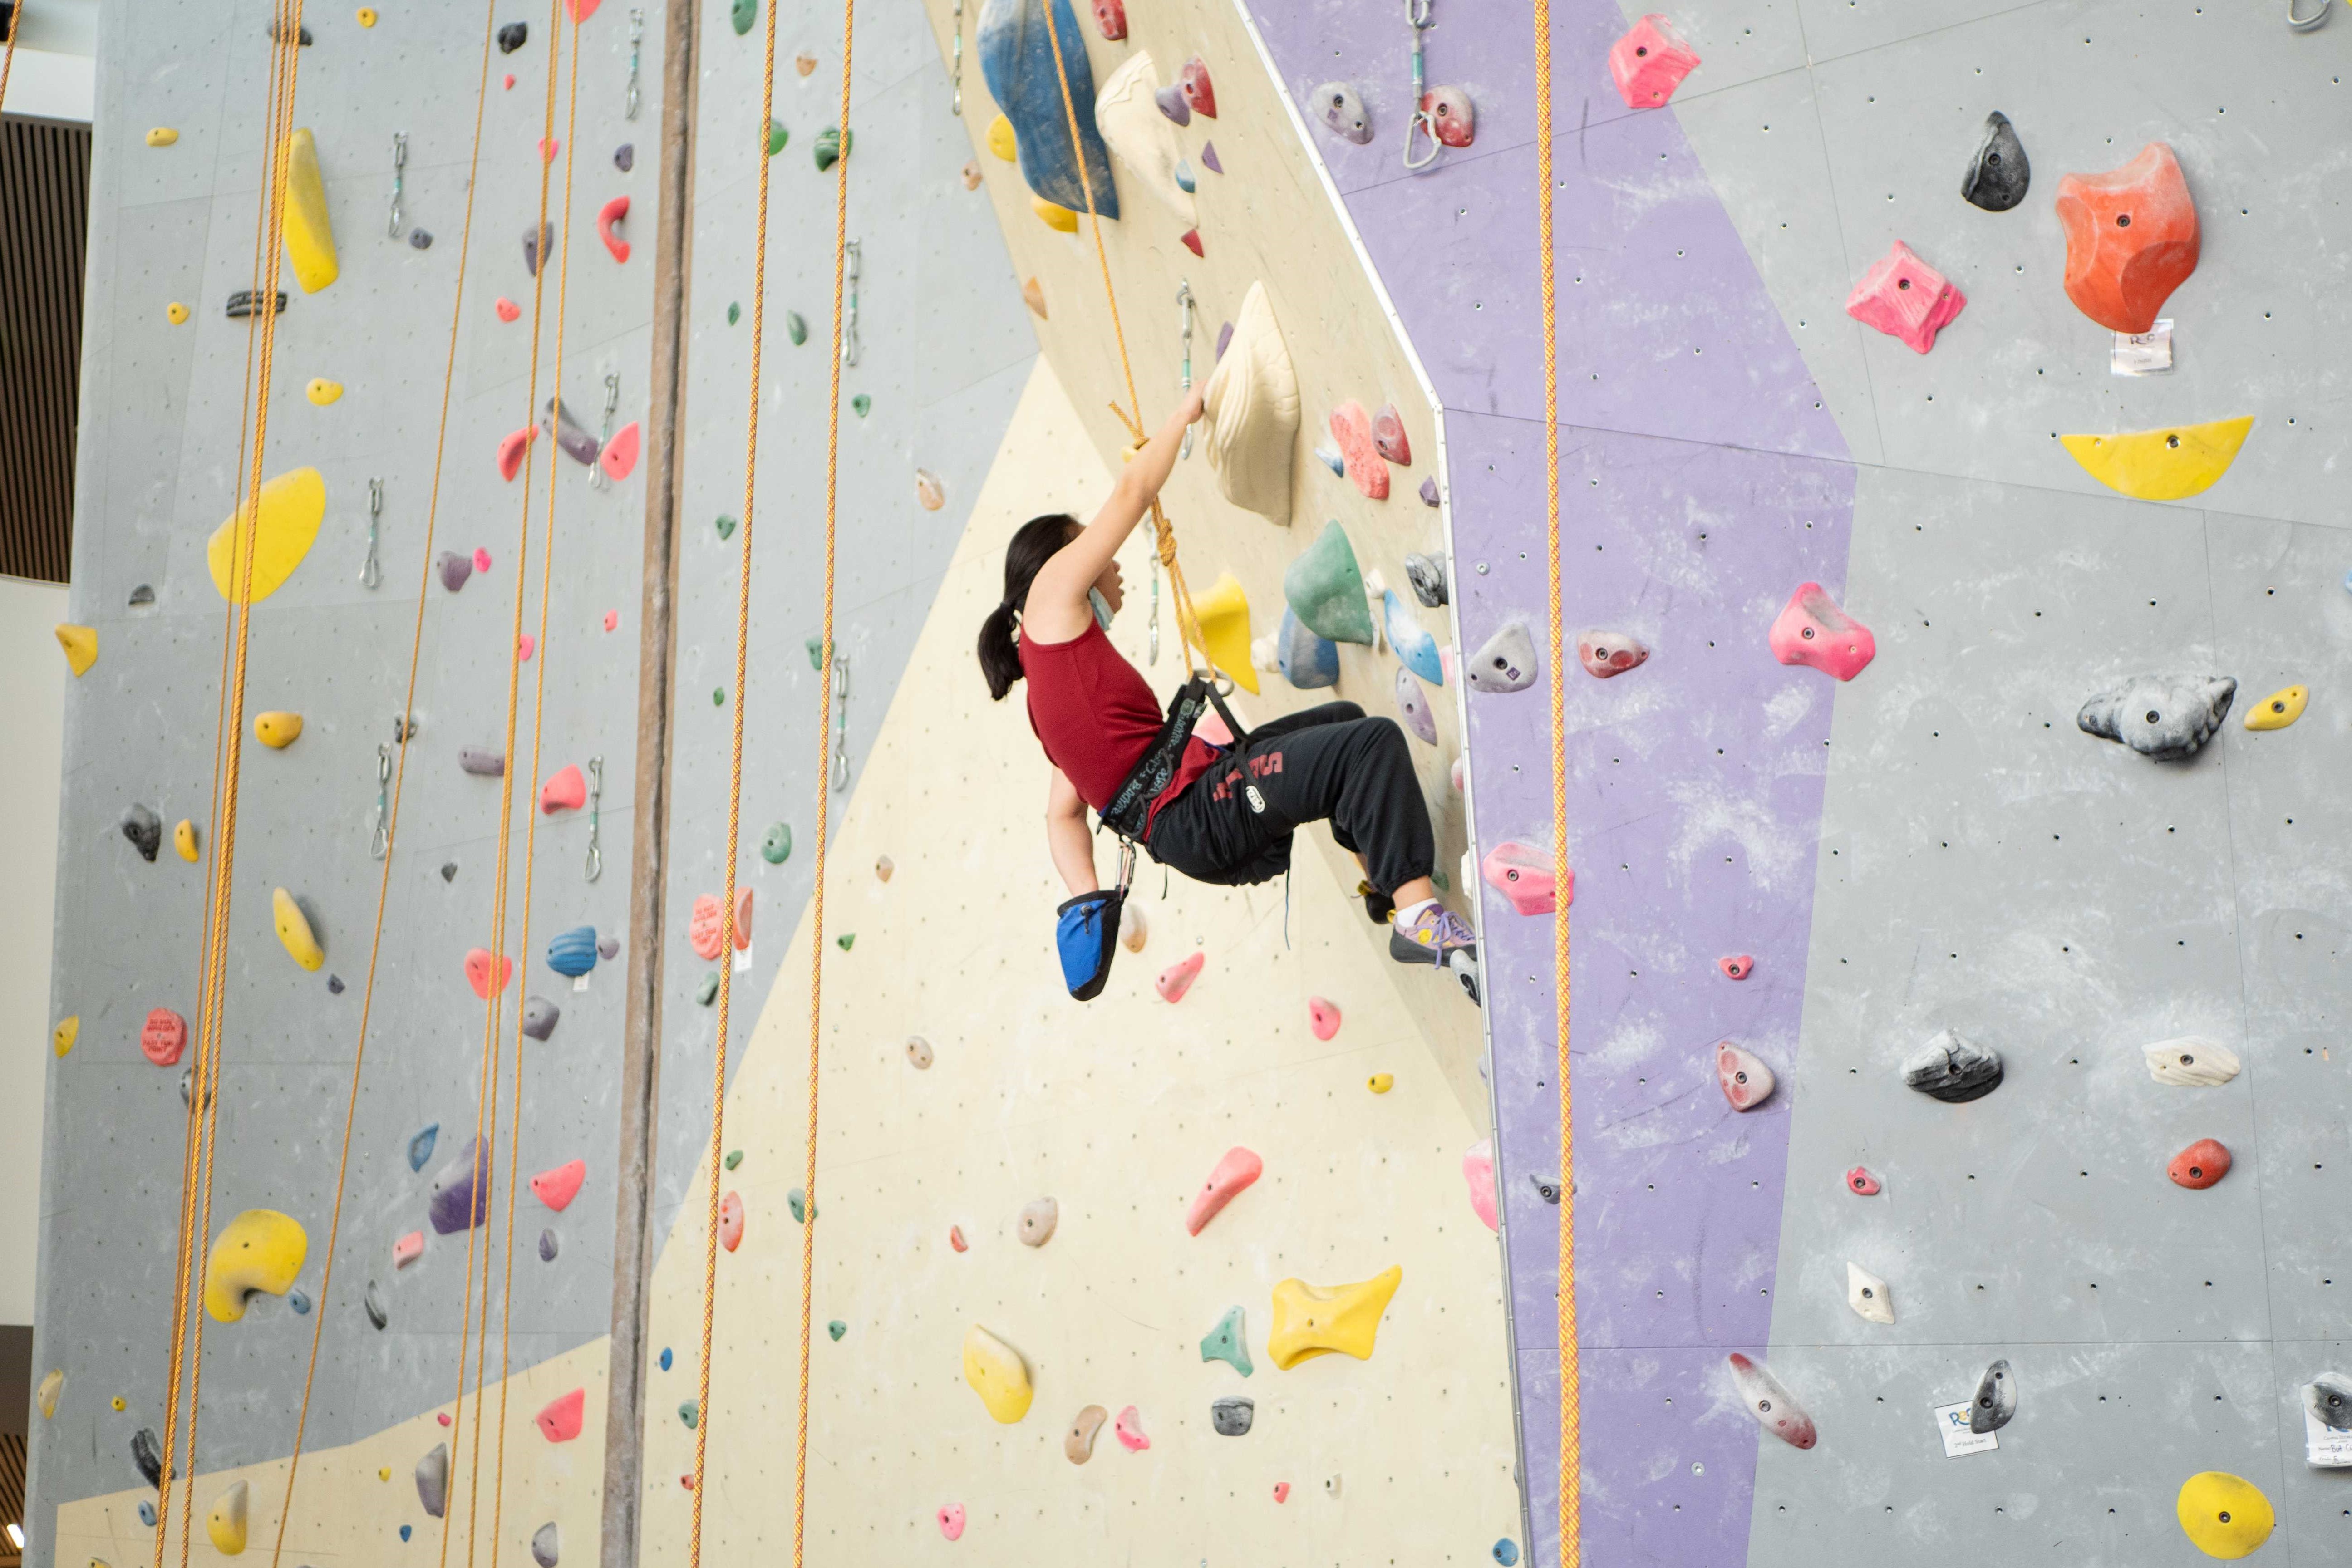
point(1116, 1108)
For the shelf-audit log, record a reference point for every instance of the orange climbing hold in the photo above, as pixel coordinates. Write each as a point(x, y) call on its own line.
point(560, 1421)
point(743, 920)
point(478, 972)
point(163, 1036)
point(1234, 1175)
point(2200, 1165)
point(607, 218)
point(2131, 238)
point(511, 449)
point(558, 1187)
point(566, 791)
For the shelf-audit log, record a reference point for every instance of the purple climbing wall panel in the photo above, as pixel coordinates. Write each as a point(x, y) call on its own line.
point(1701, 480)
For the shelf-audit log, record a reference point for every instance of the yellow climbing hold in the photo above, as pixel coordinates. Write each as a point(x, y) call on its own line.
point(120, 1404)
point(1059, 218)
point(261, 1249)
point(1223, 628)
point(1380, 1082)
point(51, 1386)
point(383, 1473)
point(291, 507)
point(277, 731)
point(310, 237)
point(1001, 139)
point(2224, 1515)
point(80, 644)
point(2162, 465)
point(161, 136)
point(183, 839)
point(367, 16)
point(2279, 710)
point(1314, 1319)
point(175, 312)
point(322, 391)
point(997, 1373)
point(294, 929)
point(62, 1038)
point(225, 1521)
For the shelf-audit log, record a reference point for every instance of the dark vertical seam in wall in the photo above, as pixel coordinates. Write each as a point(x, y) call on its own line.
point(649, 834)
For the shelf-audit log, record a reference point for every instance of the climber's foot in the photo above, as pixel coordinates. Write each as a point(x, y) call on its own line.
point(1438, 937)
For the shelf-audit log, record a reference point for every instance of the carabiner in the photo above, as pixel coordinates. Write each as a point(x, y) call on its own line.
point(2306, 24)
point(371, 571)
point(1423, 120)
point(400, 161)
point(1184, 306)
point(596, 799)
point(955, 104)
point(840, 723)
point(854, 263)
point(636, 37)
point(382, 840)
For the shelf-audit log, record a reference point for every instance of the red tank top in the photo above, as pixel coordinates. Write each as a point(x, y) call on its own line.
point(1095, 716)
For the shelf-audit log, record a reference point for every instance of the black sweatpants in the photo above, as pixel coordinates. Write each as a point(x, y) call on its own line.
point(1232, 824)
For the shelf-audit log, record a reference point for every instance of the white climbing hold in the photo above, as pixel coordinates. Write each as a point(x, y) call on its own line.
point(1134, 930)
point(2191, 1061)
point(1506, 661)
point(1746, 1082)
point(1867, 1294)
point(1038, 1218)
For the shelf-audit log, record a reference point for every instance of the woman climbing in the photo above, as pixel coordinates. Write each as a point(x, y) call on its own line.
point(1217, 813)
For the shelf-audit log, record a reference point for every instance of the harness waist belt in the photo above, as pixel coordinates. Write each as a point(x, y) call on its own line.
point(1128, 814)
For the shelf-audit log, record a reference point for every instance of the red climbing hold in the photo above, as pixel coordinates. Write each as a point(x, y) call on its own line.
point(558, 1187)
point(1388, 436)
point(1178, 977)
point(481, 559)
point(1110, 15)
point(703, 933)
point(1649, 62)
point(1194, 82)
point(1235, 1172)
point(2131, 238)
point(1323, 1017)
point(1746, 1082)
point(1352, 428)
point(507, 309)
point(1281, 1491)
point(566, 791)
point(619, 458)
point(731, 1222)
point(1192, 238)
point(1450, 112)
point(1860, 1182)
point(1604, 653)
point(560, 1421)
point(1523, 874)
point(510, 450)
point(611, 213)
point(2200, 1165)
point(478, 972)
point(1738, 966)
point(956, 1240)
point(163, 1037)
point(1813, 631)
point(743, 920)
point(1905, 298)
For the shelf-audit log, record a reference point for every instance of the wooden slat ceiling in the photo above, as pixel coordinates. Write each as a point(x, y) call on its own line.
point(43, 217)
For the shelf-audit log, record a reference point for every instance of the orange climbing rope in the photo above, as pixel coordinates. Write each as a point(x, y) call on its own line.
point(391, 823)
point(8, 57)
point(1572, 1455)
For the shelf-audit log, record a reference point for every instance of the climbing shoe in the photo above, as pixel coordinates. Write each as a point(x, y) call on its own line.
point(1438, 936)
point(1379, 908)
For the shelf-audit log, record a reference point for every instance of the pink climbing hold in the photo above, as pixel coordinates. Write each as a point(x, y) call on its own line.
point(1604, 653)
point(1234, 1175)
point(1388, 436)
point(1738, 966)
point(956, 1240)
point(481, 559)
point(443, 1417)
point(1523, 874)
point(619, 458)
point(1746, 1082)
point(703, 932)
point(1905, 298)
point(581, 9)
point(549, 146)
point(558, 1187)
point(612, 620)
point(743, 920)
point(510, 81)
point(525, 646)
point(1649, 62)
point(1129, 1427)
point(1323, 1017)
point(408, 1249)
point(560, 1421)
point(611, 213)
point(478, 972)
point(163, 1037)
point(1478, 1176)
point(1281, 1491)
point(1178, 977)
point(1352, 428)
point(566, 791)
point(1194, 82)
point(1860, 1182)
point(951, 1521)
point(1110, 15)
point(512, 447)
point(507, 309)
point(731, 1222)
point(1813, 631)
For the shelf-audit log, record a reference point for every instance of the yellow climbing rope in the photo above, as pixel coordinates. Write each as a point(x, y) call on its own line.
point(1572, 1454)
point(8, 57)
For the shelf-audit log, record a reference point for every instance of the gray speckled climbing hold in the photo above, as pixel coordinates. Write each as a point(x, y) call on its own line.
point(549, 1245)
point(421, 238)
point(461, 1191)
point(1953, 1069)
point(536, 243)
point(1546, 1187)
point(453, 567)
point(1414, 703)
point(420, 1147)
point(1228, 1342)
point(574, 439)
point(1998, 174)
point(2190, 1062)
point(1506, 661)
point(300, 1302)
point(1232, 1415)
point(545, 1545)
point(432, 1480)
point(2167, 717)
point(147, 1455)
point(707, 990)
point(145, 831)
point(482, 762)
point(608, 947)
point(1427, 574)
point(2328, 1398)
point(372, 1299)
point(624, 156)
point(539, 1016)
point(1341, 109)
point(512, 37)
point(240, 304)
point(1996, 1399)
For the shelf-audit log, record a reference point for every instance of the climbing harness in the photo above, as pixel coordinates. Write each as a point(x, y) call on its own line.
point(849, 327)
point(1184, 324)
point(955, 79)
point(2306, 24)
point(637, 41)
point(1128, 814)
point(595, 868)
point(1423, 119)
point(399, 163)
point(371, 570)
point(596, 476)
point(841, 722)
point(381, 841)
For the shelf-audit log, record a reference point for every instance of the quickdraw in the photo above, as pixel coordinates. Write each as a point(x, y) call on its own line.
point(1423, 122)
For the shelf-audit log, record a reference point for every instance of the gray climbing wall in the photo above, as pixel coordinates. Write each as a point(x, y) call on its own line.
point(160, 435)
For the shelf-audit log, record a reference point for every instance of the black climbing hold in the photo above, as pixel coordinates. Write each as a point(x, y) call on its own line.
point(1996, 1399)
point(421, 238)
point(512, 37)
point(276, 35)
point(144, 829)
point(1428, 576)
point(448, 870)
point(1546, 1187)
point(624, 156)
point(539, 1016)
point(1952, 1070)
point(1232, 1415)
point(142, 594)
point(147, 1455)
point(432, 1480)
point(1998, 174)
point(334, 984)
point(536, 243)
point(548, 1247)
point(2165, 716)
point(374, 1301)
point(240, 304)
point(2328, 1398)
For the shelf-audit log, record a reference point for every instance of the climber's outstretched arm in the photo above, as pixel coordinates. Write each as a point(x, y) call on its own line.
point(1056, 608)
point(1067, 838)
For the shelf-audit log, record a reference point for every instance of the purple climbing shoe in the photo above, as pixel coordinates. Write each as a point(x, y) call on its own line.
point(1438, 936)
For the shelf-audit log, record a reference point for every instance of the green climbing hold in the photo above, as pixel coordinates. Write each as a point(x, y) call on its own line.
point(777, 137)
point(745, 12)
point(734, 1158)
point(726, 527)
point(734, 312)
point(815, 647)
point(1228, 1342)
point(795, 329)
point(1445, 883)
point(1325, 590)
point(862, 403)
point(798, 1202)
point(845, 939)
point(776, 845)
point(707, 992)
point(833, 145)
point(837, 1328)
point(691, 1413)
point(719, 697)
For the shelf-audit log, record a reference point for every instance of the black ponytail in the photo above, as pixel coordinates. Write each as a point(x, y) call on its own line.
point(1036, 542)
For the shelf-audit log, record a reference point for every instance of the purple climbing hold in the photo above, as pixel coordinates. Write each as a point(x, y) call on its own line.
point(1414, 703)
point(569, 433)
point(624, 156)
point(1429, 491)
point(1170, 99)
point(608, 947)
point(537, 243)
point(539, 1018)
point(1224, 336)
point(461, 1191)
point(1208, 158)
point(481, 759)
point(454, 567)
point(548, 1247)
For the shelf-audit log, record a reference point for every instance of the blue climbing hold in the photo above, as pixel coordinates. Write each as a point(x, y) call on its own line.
point(403, 1531)
point(300, 1302)
point(1506, 1551)
point(573, 952)
point(1412, 640)
point(1307, 661)
point(665, 1358)
point(420, 1148)
point(147, 1514)
point(1016, 55)
point(1184, 180)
